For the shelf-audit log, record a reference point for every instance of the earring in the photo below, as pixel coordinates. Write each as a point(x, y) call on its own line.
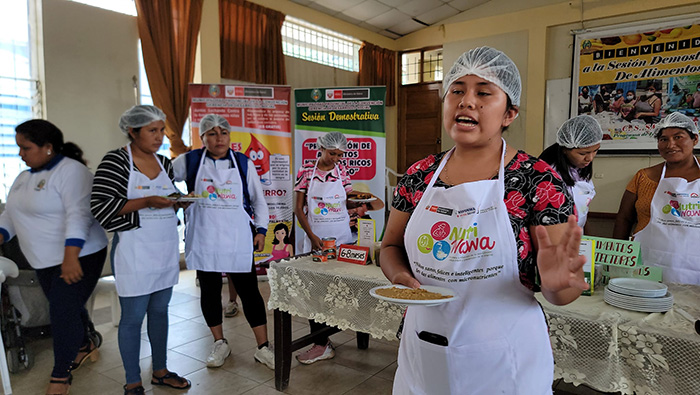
point(48, 152)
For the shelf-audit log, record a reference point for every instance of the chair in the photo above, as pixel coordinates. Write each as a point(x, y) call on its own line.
point(7, 269)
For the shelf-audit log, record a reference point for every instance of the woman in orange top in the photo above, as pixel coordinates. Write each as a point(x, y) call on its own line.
point(663, 200)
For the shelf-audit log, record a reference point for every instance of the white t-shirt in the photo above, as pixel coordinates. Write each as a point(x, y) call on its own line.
point(50, 209)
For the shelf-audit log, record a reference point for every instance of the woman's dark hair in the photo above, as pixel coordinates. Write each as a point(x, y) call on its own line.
point(555, 156)
point(135, 130)
point(509, 105)
point(42, 132)
point(284, 227)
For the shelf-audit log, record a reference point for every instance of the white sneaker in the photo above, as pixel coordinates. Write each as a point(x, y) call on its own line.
point(231, 309)
point(219, 352)
point(316, 353)
point(266, 357)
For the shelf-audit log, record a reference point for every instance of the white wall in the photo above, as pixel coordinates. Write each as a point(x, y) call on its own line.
point(90, 56)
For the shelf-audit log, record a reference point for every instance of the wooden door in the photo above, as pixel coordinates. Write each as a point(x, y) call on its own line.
point(420, 123)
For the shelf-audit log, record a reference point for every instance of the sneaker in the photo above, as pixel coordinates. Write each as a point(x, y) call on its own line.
point(219, 352)
point(231, 309)
point(316, 353)
point(266, 357)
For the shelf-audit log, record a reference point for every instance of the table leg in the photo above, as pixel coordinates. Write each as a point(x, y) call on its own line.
point(283, 348)
point(362, 340)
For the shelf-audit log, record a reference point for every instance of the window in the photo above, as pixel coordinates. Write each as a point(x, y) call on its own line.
point(303, 40)
point(123, 6)
point(424, 65)
point(20, 90)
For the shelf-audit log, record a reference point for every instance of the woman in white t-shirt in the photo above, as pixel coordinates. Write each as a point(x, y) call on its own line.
point(48, 209)
point(578, 142)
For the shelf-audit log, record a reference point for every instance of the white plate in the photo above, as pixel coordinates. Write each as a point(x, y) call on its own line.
point(635, 303)
point(409, 302)
point(639, 299)
point(638, 287)
point(643, 309)
point(362, 200)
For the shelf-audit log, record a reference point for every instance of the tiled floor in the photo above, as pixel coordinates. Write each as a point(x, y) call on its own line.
point(351, 372)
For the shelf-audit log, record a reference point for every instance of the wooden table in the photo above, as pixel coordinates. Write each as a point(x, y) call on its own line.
point(335, 293)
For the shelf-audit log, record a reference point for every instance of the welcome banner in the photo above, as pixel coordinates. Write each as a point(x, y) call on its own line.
point(260, 120)
point(358, 113)
point(630, 78)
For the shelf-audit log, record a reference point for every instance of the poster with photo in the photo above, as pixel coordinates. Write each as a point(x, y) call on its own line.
point(260, 119)
point(358, 113)
point(631, 77)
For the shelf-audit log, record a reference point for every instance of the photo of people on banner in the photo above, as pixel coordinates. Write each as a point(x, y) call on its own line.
point(630, 79)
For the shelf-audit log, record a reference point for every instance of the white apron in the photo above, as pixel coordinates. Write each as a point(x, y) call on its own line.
point(327, 212)
point(146, 259)
point(217, 233)
point(582, 192)
point(669, 240)
point(461, 238)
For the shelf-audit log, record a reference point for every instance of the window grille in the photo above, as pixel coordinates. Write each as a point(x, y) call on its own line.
point(306, 41)
point(421, 66)
point(20, 91)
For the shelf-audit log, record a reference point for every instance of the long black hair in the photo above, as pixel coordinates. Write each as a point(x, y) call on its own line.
point(281, 226)
point(555, 156)
point(42, 132)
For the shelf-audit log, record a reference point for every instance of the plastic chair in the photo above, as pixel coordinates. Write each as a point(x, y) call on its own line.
point(7, 269)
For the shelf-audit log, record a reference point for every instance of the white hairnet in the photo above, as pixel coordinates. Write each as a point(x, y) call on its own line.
point(210, 121)
point(676, 120)
point(490, 64)
point(580, 132)
point(333, 140)
point(140, 116)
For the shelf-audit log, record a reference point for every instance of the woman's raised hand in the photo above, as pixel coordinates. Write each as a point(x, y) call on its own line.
point(560, 265)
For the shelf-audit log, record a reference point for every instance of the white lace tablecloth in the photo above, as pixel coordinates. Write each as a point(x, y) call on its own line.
point(612, 349)
point(333, 292)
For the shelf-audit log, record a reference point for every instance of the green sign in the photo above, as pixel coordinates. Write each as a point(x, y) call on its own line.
point(615, 252)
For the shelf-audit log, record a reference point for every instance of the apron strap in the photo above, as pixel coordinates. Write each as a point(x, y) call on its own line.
point(443, 163)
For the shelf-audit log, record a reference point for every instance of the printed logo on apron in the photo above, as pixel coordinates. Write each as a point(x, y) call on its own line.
point(146, 259)
point(669, 240)
point(461, 238)
point(217, 235)
point(326, 210)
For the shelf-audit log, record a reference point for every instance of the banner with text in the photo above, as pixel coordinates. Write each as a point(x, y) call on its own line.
point(630, 78)
point(260, 120)
point(358, 113)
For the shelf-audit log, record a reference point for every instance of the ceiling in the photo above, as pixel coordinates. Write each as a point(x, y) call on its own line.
point(392, 18)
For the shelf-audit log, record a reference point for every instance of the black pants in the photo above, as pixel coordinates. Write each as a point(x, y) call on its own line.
point(67, 308)
point(320, 340)
point(246, 284)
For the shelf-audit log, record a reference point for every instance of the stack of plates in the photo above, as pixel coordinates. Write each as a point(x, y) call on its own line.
point(638, 295)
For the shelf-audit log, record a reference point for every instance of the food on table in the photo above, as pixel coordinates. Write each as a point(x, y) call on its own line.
point(361, 196)
point(410, 294)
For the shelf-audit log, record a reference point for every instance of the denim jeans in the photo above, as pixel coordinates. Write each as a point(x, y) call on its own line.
point(133, 311)
point(67, 308)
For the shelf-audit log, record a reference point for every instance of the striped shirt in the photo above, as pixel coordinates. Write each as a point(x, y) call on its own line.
point(109, 190)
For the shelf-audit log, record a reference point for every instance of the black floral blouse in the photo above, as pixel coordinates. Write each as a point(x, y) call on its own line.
point(534, 195)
